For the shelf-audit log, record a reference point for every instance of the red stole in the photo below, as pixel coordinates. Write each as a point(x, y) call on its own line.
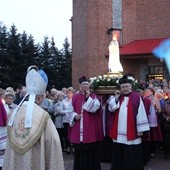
point(3, 115)
point(132, 108)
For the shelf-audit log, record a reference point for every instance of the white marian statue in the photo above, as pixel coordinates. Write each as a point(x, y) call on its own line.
point(114, 57)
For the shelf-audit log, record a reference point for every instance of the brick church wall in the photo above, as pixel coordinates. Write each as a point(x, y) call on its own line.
point(91, 20)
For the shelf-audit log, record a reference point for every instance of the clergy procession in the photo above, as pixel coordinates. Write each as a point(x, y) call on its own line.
point(103, 104)
point(125, 129)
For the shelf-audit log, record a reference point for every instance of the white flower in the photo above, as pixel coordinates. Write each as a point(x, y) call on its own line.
point(104, 76)
point(117, 81)
point(131, 78)
point(100, 77)
point(91, 79)
point(108, 79)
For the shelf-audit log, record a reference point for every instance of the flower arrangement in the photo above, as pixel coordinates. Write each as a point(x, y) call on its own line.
point(104, 80)
point(108, 80)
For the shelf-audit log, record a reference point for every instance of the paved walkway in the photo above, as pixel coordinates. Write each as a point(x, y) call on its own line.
point(157, 163)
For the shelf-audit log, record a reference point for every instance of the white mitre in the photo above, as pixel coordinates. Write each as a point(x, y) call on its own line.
point(36, 83)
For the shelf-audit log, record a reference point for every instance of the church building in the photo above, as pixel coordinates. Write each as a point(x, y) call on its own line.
point(141, 26)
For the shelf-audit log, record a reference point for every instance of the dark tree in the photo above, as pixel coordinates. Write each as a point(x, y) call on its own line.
point(3, 51)
point(52, 71)
point(14, 75)
point(18, 51)
point(29, 51)
point(64, 65)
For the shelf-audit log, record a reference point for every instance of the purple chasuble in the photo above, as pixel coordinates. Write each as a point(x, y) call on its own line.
point(92, 122)
point(3, 115)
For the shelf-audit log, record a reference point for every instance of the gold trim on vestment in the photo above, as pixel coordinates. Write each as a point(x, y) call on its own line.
point(22, 139)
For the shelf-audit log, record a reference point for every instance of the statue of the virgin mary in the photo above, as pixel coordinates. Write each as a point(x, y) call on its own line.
point(114, 57)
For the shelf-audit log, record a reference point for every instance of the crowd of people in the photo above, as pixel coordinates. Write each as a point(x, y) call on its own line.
point(120, 128)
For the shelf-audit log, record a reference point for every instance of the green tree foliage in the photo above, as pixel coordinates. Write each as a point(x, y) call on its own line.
point(47, 60)
point(3, 50)
point(18, 51)
point(52, 63)
point(11, 60)
point(29, 51)
point(64, 61)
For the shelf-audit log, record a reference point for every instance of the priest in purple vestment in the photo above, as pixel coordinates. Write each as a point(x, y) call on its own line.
point(3, 132)
point(86, 131)
point(129, 123)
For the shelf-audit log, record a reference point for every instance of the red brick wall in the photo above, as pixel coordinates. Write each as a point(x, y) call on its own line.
point(131, 66)
point(90, 41)
point(129, 20)
point(153, 19)
point(79, 39)
point(145, 19)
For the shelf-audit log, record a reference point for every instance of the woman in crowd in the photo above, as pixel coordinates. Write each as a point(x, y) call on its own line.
point(58, 113)
point(66, 102)
point(10, 89)
point(9, 100)
point(146, 135)
point(155, 132)
point(53, 99)
point(46, 101)
point(159, 94)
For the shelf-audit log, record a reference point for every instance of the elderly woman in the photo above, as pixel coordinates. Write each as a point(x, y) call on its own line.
point(156, 135)
point(10, 89)
point(9, 100)
point(52, 101)
point(58, 108)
